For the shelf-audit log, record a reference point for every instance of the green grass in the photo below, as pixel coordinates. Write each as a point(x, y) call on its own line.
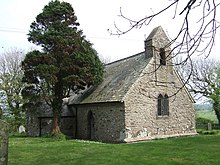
point(207, 114)
point(199, 150)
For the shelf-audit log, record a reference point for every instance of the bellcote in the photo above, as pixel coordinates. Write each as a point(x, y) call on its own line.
point(158, 42)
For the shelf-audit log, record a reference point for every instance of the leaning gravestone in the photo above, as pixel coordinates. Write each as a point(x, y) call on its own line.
point(3, 143)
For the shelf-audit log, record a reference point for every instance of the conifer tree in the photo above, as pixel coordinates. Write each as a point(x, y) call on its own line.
point(67, 61)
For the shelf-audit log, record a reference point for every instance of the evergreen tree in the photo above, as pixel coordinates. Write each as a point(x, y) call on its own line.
point(67, 61)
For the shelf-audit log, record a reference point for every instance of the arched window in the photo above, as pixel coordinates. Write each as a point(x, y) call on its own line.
point(162, 57)
point(166, 105)
point(159, 105)
point(163, 105)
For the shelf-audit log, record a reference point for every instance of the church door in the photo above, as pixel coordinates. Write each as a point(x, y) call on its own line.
point(91, 126)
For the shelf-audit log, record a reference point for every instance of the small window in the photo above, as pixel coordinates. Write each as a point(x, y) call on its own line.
point(159, 105)
point(162, 57)
point(166, 105)
point(163, 105)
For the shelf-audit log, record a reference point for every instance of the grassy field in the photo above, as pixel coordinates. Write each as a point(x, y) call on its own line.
point(199, 150)
point(208, 114)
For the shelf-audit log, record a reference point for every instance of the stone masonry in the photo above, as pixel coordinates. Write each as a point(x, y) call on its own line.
point(141, 119)
point(108, 121)
point(39, 120)
point(3, 143)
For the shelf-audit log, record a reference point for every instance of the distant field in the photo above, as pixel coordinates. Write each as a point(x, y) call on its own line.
point(208, 114)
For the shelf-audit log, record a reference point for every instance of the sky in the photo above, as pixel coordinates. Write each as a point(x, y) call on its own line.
point(95, 18)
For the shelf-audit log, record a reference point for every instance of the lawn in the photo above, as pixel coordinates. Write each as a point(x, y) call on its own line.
point(199, 150)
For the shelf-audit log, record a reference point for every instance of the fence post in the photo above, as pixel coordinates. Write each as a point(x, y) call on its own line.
point(3, 143)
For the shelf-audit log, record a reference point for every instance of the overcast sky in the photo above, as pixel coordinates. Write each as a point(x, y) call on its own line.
point(95, 17)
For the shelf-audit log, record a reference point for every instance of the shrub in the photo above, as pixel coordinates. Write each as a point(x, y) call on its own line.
point(208, 132)
point(202, 123)
point(57, 136)
point(17, 134)
point(201, 120)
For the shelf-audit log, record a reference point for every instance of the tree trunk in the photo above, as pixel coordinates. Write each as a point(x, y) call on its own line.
point(217, 112)
point(57, 103)
point(55, 124)
point(57, 106)
point(216, 107)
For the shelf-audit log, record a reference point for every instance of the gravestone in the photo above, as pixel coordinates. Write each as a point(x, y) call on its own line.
point(209, 126)
point(21, 129)
point(3, 143)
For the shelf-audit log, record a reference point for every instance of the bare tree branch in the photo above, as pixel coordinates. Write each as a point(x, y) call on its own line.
point(11, 84)
point(188, 40)
point(196, 35)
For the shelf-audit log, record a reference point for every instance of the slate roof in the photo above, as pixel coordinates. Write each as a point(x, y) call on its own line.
point(118, 78)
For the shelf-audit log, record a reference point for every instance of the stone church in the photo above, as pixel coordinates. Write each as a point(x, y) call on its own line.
point(141, 97)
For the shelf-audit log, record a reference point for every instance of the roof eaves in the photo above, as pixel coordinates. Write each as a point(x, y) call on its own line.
point(101, 102)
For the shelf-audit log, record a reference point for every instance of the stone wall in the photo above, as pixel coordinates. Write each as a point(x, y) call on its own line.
point(39, 120)
point(108, 121)
point(32, 126)
point(3, 143)
point(141, 119)
point(67, 126)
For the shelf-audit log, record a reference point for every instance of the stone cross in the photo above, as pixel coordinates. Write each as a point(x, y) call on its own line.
point(3, 143)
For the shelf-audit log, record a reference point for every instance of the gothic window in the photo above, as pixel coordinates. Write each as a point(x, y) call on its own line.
point(166, 105)
point(159, 105)
point(162, 57)
point(163, 105)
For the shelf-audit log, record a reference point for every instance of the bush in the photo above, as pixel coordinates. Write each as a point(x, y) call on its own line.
point(13, 123)
point(208, 132)
point(16, 134)
point(56, 136)
point(201, 120)
point(202, 123)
